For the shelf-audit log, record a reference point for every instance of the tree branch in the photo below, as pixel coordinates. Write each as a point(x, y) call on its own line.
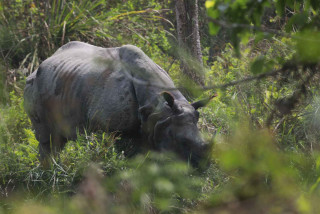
point(246, 26)
point(248, 79)
point(220, 86)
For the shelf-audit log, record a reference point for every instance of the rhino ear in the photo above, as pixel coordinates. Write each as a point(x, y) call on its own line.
point(168, 98)
point(202, 103)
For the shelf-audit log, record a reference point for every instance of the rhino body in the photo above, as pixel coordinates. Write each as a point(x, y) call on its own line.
point(111, 89)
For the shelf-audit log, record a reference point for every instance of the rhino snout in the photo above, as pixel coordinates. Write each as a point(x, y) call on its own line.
point(195, 150)
point(200, 156)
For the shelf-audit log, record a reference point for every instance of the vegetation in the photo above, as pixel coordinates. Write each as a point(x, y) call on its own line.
point(264, 122)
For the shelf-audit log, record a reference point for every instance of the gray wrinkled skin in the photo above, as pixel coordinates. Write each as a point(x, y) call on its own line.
point(84, 86)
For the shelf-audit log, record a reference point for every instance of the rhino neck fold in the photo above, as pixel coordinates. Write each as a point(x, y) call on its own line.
point(148, 79)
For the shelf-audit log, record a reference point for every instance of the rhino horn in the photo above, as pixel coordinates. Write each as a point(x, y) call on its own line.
point(203, 102)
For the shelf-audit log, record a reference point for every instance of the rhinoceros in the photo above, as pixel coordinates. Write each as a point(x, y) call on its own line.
point(111, 89)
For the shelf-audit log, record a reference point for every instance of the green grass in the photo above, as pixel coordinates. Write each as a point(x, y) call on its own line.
point(91, 175)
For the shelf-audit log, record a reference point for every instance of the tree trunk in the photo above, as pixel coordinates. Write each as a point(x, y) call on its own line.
point(189, 39)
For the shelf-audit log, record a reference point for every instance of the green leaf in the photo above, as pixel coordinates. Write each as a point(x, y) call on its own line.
point(297, 21)
point(210, 4)
point(257, 65)
point(304, 204)
point(213, 13)
point(308, 46)
point(164, 185)
point(258, 37)
point(245, 37)
point(213, 28)
point(280, 7)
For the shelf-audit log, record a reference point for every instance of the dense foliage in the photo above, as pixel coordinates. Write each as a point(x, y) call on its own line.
point(264, 122)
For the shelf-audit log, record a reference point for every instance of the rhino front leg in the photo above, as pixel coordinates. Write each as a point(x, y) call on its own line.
point(51, 148)
point(58, 143)
point(50, 142)
point(44, 152)
point(42, 132)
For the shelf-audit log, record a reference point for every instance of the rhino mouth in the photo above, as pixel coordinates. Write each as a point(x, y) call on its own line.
point(197, 154)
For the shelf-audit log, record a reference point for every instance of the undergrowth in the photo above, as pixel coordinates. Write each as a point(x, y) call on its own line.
point(250, 166)
point(257, 166)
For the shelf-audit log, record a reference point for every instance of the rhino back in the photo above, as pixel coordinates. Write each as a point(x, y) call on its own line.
point(83, 84)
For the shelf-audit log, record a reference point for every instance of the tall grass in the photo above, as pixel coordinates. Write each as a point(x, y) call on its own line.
point(33, 30)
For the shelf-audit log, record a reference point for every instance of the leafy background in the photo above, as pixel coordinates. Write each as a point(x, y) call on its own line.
point(264, 123)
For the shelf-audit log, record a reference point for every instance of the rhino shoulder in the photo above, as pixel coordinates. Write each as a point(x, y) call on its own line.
point(130, 52)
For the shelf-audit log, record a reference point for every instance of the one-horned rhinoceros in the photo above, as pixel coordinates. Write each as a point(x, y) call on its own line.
point(112, 89)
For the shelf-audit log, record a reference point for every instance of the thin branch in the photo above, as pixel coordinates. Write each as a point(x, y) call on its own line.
point(220, 86)
point(250, 27)
point(261, 29)
point(248, 79)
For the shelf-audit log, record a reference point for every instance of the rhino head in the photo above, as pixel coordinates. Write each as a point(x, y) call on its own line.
point(172, 126)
